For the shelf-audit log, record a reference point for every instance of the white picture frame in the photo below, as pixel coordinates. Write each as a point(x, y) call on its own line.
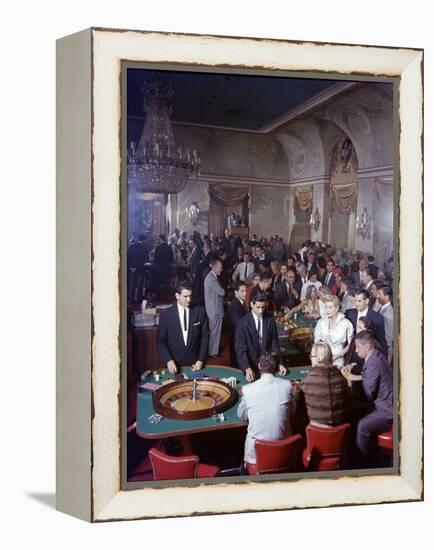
point(89, 346)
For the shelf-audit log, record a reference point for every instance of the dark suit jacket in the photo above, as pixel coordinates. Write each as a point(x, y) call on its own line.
point(170, 342)
point(163, 258)
point(378, 322)
point(247, 346)
point(356, 279)
point(332, 283)
point(195, 259)
point(137, 255)
point(283, 298)
point(373, 270)
point(378, 383)
point(235, 312)
point(267, 259)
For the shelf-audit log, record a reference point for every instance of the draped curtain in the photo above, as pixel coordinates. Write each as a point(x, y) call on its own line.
point(344, 195)
point(225, 199)
point(304, 197)
point(383, 189)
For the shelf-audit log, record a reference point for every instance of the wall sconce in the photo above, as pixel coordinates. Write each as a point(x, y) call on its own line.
point(363, 224)
point(315, 219)
point(193, 213)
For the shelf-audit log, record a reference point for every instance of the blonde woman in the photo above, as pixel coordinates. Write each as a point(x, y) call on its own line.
point(334, 329)
point(325, 389)
point(309, 306)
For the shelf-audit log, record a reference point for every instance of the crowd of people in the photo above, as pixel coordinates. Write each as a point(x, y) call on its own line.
point(239, 284)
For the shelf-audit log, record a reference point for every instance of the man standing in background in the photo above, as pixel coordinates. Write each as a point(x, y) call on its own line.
point(214, 295)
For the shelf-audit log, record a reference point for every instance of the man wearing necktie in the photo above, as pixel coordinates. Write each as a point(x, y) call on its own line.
point(183, 333)
point(285, 294)
point(255, 333)
point(237, 309)
point(214, 299)
point(244, 269)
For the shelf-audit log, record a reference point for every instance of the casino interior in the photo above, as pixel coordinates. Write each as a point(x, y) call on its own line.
point(297, 165)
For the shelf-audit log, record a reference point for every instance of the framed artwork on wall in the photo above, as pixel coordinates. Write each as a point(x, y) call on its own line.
point(169, 142)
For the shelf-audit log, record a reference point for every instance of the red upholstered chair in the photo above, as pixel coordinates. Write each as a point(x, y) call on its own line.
point(274, 457)
point(385, 444)
point(385, 440)
point(326, 447)
point(179, 467)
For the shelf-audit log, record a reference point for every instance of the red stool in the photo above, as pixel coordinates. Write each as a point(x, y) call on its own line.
point(179, 467)
point(274, 457)
point(385, 440)
point(327, 447)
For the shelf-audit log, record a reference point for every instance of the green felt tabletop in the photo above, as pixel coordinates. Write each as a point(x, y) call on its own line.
point(168, 427)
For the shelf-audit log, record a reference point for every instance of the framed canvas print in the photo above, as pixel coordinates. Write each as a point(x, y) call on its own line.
point(239, 292)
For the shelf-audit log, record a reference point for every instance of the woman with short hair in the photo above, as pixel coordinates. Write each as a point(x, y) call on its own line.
point(325, 390)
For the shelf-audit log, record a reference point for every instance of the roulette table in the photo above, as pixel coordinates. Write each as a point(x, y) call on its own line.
point(296, 341)
point(152, 403)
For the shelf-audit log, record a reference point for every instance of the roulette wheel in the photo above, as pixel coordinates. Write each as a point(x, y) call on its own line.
point(193, 399)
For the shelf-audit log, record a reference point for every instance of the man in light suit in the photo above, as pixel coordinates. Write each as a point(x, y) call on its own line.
point(214, 295)
point(256, 332)
point(384, 297)
point(183, 333)
point(266, 405)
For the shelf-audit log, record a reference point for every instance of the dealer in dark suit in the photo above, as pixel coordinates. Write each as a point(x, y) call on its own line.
point(363, 310)
point(256, 332)
point(183, 333)
point(237, 309)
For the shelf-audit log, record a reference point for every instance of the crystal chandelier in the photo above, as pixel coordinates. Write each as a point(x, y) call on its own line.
point(156, 165)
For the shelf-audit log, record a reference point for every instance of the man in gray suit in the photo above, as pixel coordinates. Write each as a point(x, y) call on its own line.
point(214, 295)
point(267, 405)
point(384, 296)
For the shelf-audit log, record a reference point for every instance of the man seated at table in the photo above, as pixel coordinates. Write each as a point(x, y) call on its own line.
point(183, 332)
point(266, 405)
point(256, 333)
point(286, 293)
point(377, 381)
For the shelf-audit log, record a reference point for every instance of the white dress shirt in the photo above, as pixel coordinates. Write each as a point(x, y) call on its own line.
point(181, 320)
point(240, 271)
point(327, 279)
point(362, 314)
point(256, 319)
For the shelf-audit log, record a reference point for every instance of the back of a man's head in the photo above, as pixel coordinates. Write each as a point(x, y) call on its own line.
point(267, 363)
